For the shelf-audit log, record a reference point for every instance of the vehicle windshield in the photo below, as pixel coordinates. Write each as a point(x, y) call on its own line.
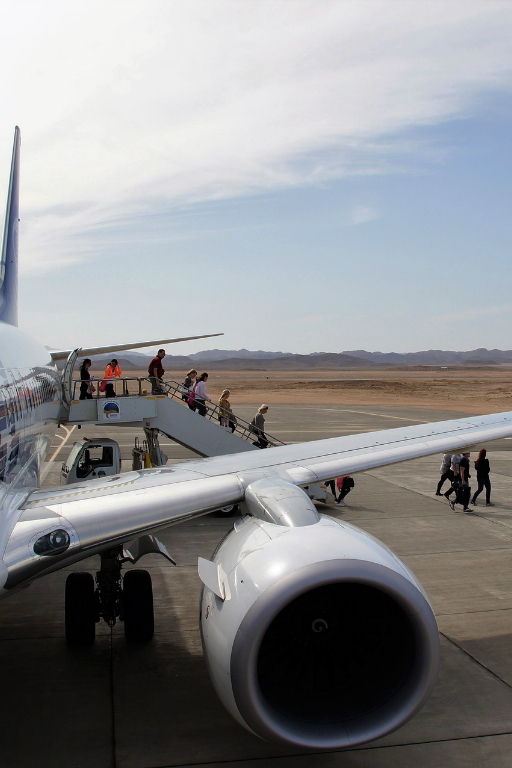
point(77, 447)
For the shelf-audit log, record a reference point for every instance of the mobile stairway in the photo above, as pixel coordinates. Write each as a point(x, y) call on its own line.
point(167, 413)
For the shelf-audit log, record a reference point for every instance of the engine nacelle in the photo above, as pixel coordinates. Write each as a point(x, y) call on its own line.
point(321, 637)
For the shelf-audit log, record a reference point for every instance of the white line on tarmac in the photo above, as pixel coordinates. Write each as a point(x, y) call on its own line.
point(370, 413)
point(54, 454)
point(336, 430)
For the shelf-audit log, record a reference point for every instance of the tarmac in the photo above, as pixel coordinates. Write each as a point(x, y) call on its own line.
point(121, 706)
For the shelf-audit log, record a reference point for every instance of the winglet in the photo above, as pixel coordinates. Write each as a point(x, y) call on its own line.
point(9, 259)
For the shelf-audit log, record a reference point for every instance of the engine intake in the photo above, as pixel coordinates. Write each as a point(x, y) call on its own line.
point(333, 652)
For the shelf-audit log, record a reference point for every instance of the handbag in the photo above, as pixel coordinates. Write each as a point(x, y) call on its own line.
point(192, 397)
point(103, 385)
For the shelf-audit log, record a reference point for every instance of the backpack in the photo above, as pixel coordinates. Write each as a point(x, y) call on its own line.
point(344, 482)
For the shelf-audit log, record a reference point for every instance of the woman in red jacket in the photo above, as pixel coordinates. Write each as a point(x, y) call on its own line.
point(112, 371)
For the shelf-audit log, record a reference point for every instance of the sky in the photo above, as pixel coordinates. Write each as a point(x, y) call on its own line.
point(301, 175)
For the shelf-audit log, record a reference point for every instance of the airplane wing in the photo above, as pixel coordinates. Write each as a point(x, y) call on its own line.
point(315, 635)
point(63, 354)
point(100, 513)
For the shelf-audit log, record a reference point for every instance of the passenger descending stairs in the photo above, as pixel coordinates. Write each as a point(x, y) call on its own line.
point(169, 414)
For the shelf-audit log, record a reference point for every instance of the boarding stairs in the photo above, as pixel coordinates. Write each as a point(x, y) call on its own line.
point(168, 413)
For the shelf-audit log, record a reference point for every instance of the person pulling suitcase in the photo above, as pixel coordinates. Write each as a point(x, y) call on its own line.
point(463, 490)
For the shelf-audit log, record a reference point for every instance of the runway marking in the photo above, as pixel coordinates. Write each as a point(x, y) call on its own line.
point(337, 431)
point(370, 413)
point(54, 454)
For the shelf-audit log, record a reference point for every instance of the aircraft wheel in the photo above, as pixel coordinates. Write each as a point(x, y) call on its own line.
point(139, 623)
point(228, 511)
point(80, 609)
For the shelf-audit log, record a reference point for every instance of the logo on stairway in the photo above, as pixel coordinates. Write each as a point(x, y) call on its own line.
point(111, 411)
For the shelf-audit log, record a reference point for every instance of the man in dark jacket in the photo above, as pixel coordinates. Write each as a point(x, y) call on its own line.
point(156, 372)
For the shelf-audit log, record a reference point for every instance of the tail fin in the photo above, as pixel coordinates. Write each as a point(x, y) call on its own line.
point(9, 260)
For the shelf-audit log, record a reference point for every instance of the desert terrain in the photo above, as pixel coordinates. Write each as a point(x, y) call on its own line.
point(459, 388)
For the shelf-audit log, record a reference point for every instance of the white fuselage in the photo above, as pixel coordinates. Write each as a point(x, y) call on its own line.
point(30, 404)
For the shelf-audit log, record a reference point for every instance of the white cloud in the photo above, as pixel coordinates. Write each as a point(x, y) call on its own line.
point(124, 106)
point(471, 313)
point(361, 214)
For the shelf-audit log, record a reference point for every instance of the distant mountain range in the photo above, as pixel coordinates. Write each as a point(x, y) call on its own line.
point(225, 354)
point(480, 356)
point(244, 359)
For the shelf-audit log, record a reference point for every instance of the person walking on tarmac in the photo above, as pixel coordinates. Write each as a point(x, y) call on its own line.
point(456, 457)
point(464, 491)
point(156, 372)
point(344, 485)
point(112, 371)
point(445, 471)
point(483, 468)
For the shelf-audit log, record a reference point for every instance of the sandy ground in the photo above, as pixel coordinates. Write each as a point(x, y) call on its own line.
point(476, 390)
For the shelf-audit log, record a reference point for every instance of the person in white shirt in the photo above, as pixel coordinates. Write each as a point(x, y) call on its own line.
point(456, 457)
point(445, 471)
point(200, 394)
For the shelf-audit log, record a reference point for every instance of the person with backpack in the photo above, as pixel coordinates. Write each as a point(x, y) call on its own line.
point(345, 485)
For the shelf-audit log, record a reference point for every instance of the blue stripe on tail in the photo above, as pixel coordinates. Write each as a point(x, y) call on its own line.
point(9, 260)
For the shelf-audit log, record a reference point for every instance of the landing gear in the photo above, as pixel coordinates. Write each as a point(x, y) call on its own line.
point(139, 624)
point(130, 600)
point(80, 609)
point(228, 511)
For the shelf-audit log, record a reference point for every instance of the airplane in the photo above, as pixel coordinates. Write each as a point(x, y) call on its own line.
point(315, 634)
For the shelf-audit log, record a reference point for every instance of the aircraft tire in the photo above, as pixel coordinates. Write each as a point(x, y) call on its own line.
point(80, 609)
point(228, 511)
point(139, 622)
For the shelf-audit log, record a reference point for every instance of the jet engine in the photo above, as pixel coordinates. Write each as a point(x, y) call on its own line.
point(315, 636)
